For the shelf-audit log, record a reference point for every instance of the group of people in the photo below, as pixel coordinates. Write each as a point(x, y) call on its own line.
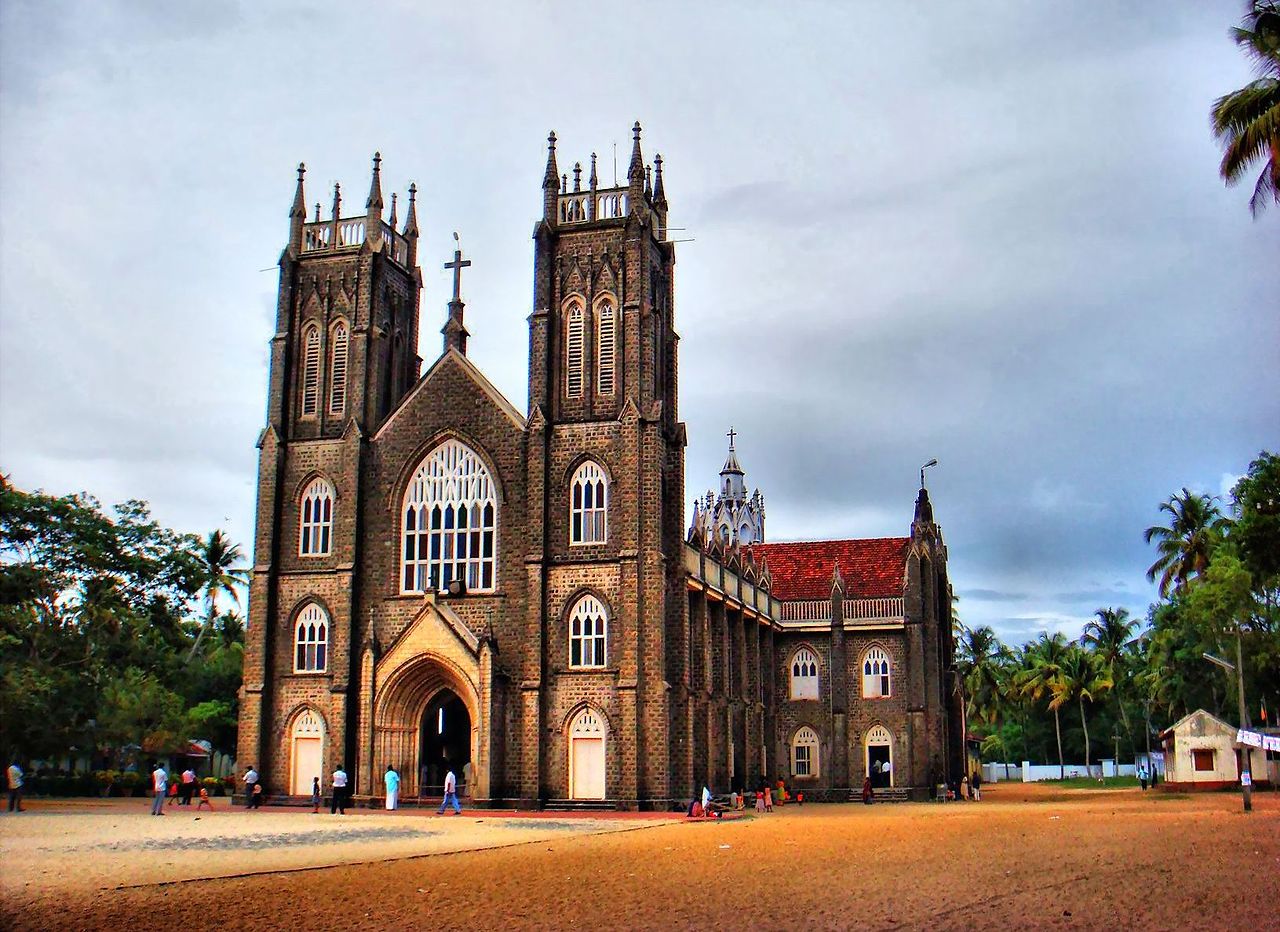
point(180, 791)
point(707, 807)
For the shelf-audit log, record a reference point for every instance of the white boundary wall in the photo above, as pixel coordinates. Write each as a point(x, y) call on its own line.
point(1028, 772)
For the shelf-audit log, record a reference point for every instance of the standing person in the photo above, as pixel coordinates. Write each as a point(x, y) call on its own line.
point(188, 786)
point(1142, 777)
point(964, 787)
point(339, 803)
point(392, 781)
point(768, 797)
point(450, 794)
point(760, 802)
point(204, 800)
point(159, 784)
point(250, 778)
point(315, 794)
point(706, 800)
point(15, 786)
point(257, 795)
point(868, 794)
point(977, 786)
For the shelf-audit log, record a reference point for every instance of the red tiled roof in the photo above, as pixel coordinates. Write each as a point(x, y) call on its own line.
point(871, 569)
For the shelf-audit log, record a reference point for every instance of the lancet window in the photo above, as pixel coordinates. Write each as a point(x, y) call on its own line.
point(450, 522)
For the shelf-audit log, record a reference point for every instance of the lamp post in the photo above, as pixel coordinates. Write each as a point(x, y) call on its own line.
point(932, 462)
point(1246, 775)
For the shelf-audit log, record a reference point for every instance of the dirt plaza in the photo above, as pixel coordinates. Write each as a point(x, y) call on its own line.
point(1031, 856)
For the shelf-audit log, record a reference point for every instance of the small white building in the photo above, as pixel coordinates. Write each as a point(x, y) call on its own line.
point(1200, 753)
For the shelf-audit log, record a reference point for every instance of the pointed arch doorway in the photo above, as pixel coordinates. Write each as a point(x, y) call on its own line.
point(587, 735)
point(445, 744)
point(307, 753)
point(880, 757)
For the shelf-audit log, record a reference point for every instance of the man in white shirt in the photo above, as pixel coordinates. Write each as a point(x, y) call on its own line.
point(188, 786)
point(450, 794)
point(159, 785)
point(250, 778)
point(339, 802)
point(15, 787)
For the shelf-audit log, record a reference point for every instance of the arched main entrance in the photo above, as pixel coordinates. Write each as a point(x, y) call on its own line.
point(306, 753)
point(880, 756)
point(445, 743)
point(587, 735)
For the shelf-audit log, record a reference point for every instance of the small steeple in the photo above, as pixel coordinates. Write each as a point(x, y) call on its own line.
point(298, 213)
point(577, 177)
point(337, 200)
point(411, 226)
point(635, 172)
point(593, 181)
point(375, 186)
point(317, 211)
point(659, 193)
point(550, 181)
point(732, 487)
point(455, 332)
point(924, 508)
point(648, 181)
point(392, 222)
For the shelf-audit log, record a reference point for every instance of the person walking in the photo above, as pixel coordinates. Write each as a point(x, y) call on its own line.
point(339, 802)
point(315, 795)
point(392, 781)
point(159, 784)
point(976, 783)
point(1142, 777)
point(15, 787)
point(450, 794)
point(868, 794)
point(768, 797)
point(250, 778)
point(188, 786)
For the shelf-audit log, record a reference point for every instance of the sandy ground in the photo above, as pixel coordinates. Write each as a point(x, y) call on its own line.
point(1025, 857)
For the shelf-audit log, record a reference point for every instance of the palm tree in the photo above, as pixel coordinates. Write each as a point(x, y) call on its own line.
point(1110, 635)
point(219, 576)
point(1195, 526)
point(1247, 121)
point(1080, 678)
point(978, 656)
point(1042, 667)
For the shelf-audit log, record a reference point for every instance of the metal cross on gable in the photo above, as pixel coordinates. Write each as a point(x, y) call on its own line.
point(731, 434)
point(458, 264)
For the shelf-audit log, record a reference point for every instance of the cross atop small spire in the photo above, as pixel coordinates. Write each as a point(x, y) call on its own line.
point(458, 264)
point(731, 435)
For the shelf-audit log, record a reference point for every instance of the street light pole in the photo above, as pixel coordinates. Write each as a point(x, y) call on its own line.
point(1246, 777)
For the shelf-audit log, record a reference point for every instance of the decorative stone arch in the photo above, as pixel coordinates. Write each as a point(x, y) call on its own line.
point(586, 456)
point(794, 658)
point(586, 732)
point(311, 476)
point(877, 748)
point(306, 743)
point(566, 630)
point(399, 707)
point(395, 494)
point(893, 672)
point(805, 764)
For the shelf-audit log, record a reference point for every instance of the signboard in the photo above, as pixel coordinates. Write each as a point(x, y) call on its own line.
point(1246, 778)
point(1255, 740)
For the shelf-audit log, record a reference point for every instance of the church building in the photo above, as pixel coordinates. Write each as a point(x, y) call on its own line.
point(444, 582)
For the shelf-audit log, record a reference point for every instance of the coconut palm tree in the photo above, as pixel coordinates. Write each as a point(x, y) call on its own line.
point(1247, 122)
point(1080, 679)
point(978, 657)
point(1110, 636)
point(1196, 525)
point(1042, 666)
point(219, 576)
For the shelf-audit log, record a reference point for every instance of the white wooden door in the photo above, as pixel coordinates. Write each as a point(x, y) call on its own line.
point(306, 765)
point(588, 768)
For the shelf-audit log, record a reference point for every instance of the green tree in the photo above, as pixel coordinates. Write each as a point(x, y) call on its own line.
point(1109, 634)
point(139, 711)
point(1037, 679)
point(1196, 526)
point(1081, 678)
point(220, 576)
point(1256, 501)
point(1247, 122)
point(978, 658)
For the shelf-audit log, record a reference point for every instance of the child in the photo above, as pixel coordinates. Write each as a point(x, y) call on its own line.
point(768, 798)
point(204, 800)
point(173, 793)
point(315, 794)
point(759, 802)
point(257, 796)
point(799, 799)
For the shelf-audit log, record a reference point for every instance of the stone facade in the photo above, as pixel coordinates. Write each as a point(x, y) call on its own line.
point(468, 641)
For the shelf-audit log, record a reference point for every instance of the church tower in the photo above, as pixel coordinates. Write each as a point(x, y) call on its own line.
point(605, 475)
point(343, 355)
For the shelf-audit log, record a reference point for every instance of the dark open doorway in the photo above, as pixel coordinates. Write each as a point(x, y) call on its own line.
point(878, 765)
point(446, 743)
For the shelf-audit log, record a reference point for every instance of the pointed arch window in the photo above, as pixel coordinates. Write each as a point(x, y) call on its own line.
point(804, 753)
point(311, 640)
point(588, 505)
point(450, 522)
point(588, 636)
point(606, 346)
point(575, 351)
point(311, 371)
point(804, 674)
point(317, 519)
point(338, 370)
point(875, 674)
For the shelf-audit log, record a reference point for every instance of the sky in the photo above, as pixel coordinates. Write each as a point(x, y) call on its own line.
point(991, 233)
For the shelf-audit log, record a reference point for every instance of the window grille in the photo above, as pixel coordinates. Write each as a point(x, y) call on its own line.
point(589, 505)
point(574, 352)
point(311, 641)
point(606, 340)
point(317, 519)
point(450, 522)
point(311, 371)
point(587, 633)
point(804, 753)
point(338, 371)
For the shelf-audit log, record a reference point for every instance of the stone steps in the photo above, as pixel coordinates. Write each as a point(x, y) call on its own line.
point(580, 805)
point(885, 794)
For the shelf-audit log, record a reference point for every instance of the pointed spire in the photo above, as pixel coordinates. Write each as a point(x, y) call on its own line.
point(392, 222)
point(659, 193)
point(635, 172)
point(299, 199)
point(577, 177)
point(564, 184)
point(317, 211)
point(648, 181)
point(549, 179)
point(411, 219)
point(337, 199)
point(593, 181)
point(375, 186)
